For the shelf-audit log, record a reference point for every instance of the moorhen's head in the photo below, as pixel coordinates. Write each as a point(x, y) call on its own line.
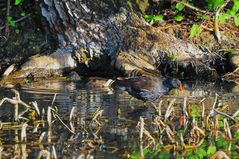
point(171, 83)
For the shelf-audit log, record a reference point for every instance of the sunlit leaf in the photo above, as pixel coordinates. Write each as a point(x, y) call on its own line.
point(221, 142)
point(17, 2)
point(214, 4)
point(201, 153)
point(195, 30)
point(205, 17)
point(235, 7)
point(237, 135)
point(179, 6)
point(236, 19)
point(11, 21)
point(211, 150)
point(178, 18)
point(23, 14)
point(158, 18)
point(148, 17)
point(194, 112)
point(223, 17)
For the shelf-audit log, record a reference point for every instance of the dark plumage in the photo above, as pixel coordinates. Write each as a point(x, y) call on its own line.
point(147, 88)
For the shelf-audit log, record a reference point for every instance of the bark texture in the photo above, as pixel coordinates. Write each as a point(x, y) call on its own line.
point(112, 33)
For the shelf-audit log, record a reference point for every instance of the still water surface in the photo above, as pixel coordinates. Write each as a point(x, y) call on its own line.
point(115, 136)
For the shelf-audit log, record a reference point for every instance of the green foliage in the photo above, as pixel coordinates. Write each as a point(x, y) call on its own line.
point(214, 4)
point(235, 8)
point(23, 14)
point(211, 150)
point(17, 2)
point(178, 18)
point(194, 112)
point(195, 30)
point(201, 153)
point(11, 21)
point(221, 143)
point(237, 135)
point(151, 19)
point(236, 19)
point(223, 18)
point(179, 6)
point(205, 17)
point(17, 31)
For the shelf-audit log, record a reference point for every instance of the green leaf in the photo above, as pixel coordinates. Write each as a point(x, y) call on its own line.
point(179, 6)
point(235, 7)
point(237, 136)
point(211, 150)
point(205, 17)
point(158, 18)
point(201, 153)
point(236, 19)
point(11, 21)
point(195, 30)
point(214, 4)
point(194, 112)
point(178, 18)
point(17, 31)
point(17, 2)
point(221, 143)
point(23, 14)
point(223, 17)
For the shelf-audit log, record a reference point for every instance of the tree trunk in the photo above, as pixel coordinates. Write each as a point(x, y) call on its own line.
point(104, 33)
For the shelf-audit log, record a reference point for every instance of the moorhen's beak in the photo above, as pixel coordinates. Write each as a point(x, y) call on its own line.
point(181, 87)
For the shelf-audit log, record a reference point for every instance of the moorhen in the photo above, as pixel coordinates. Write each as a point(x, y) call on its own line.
point(147, 88)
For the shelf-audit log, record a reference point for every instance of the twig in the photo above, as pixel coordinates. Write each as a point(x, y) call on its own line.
point(216, 21)
point(224, 114)
point(58, 117)
point(64, 124)
point(191, 7)
point(16, 21)
point(169, 109)
point(24, 132)
point(235, 114)
point(8, 14)
point(212, 112)
point(227, 128)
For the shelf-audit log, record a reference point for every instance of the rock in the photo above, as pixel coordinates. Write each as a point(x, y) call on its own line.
point(233, 59)
point(73, 76)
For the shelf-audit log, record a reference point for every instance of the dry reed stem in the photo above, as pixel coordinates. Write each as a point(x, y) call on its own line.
point(212, 112)
point(225, 115)
point(15, 101)
point(98, 113)
point(227, 129)
point(169, 110)
point(24, 132)
point(57, 116)
point(53, 153)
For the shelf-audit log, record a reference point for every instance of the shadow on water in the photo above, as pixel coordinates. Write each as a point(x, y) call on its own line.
point(104, 120)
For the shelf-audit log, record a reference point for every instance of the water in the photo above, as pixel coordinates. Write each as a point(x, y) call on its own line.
point(112, 135)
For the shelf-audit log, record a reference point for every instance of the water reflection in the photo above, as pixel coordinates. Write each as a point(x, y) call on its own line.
point(120, 115)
